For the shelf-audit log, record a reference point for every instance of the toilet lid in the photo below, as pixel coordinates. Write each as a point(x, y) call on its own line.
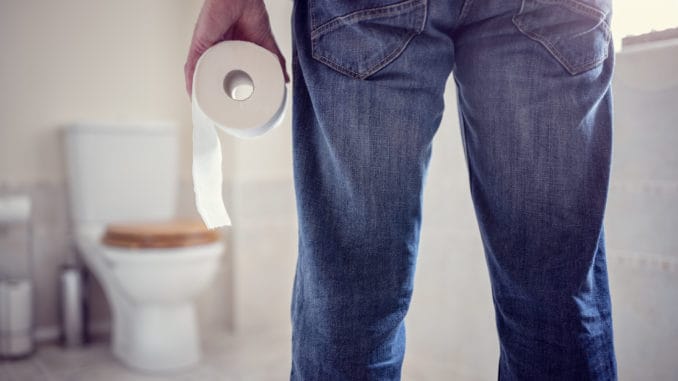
point(175, 233)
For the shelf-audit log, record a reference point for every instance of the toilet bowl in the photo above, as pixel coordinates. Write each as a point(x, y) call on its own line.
point(151, 277)
point(122, 187)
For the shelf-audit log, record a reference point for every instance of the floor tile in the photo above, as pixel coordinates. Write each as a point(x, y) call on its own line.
point(54, 357)
point(25, 370)
point(245, 357)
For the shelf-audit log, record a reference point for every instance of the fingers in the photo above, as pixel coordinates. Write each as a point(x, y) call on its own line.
point(220, 20)
point(198, 47)
point(254, 26)
point(214, 24)
point(268, 42)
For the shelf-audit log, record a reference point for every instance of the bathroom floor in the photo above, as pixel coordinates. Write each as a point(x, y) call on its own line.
point(225, 358)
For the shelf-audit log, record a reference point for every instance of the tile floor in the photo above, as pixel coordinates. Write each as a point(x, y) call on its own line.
point(225, 358)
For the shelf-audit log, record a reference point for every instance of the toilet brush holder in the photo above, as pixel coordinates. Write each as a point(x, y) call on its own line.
point(16, 335)
point(72, 306)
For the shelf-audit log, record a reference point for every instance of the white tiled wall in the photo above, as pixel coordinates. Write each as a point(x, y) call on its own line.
point(264, 248)
point(642, 214)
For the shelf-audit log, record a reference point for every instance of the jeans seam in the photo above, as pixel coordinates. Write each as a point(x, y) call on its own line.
point(556, 53)
point(312, 14)
point(575, 6)
point(464, 11)
point(402, 6)
point(384, 11)
point(376, 67)
point(581, 8)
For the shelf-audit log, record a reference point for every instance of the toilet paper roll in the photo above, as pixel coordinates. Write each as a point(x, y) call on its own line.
point(15, 209)
point(239, 88)
point(16, 317)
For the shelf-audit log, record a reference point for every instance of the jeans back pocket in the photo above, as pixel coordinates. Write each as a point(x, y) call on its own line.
point(360, 42)
point(575, 32)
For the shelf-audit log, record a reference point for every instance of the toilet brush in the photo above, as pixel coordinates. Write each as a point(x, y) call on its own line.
point(72, 306)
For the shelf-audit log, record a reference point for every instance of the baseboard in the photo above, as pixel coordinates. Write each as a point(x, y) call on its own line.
point(46, 334)
point(51, 333)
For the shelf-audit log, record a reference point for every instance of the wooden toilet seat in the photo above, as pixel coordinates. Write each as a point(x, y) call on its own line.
point(166, 234)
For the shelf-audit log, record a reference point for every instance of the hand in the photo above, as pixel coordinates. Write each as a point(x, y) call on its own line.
point(221, 20)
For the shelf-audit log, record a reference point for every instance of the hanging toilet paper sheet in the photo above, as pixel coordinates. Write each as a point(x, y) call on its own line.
point(239, 88)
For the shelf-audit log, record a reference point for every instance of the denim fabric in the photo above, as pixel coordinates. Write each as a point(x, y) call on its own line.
point(533, 82)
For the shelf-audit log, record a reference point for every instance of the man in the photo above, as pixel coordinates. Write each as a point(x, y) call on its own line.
point(533, 82)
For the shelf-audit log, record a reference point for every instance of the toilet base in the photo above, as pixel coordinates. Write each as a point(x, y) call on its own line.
point(157, 338)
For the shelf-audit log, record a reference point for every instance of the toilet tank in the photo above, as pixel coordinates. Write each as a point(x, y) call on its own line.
point(121, 172)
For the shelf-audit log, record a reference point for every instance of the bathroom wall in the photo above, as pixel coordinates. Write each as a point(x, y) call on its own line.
point(264, 214)
point(140, 46)
point(643, 212)
point(81, 60)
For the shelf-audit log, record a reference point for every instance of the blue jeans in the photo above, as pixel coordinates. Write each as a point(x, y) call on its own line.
point(533, 82)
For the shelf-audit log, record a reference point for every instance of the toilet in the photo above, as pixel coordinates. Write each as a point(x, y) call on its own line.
point(122, 183)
